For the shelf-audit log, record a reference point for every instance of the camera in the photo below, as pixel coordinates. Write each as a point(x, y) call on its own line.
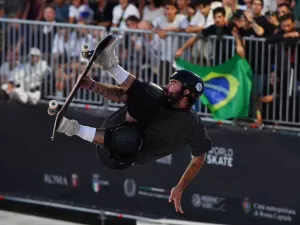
point(270, 13)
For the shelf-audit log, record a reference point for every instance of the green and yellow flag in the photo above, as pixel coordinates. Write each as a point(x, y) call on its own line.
point(227, 87)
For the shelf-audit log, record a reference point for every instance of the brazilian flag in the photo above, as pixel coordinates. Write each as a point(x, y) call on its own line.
point(227, 87)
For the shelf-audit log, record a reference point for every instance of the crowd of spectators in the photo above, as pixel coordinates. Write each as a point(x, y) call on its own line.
point(158, 21)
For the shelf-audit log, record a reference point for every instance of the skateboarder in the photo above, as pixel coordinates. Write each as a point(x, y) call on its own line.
point(154, 122)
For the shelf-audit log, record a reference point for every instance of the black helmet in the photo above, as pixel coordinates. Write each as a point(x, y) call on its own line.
point(190, 81)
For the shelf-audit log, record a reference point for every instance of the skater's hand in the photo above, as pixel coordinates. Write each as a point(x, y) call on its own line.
point(86, 82)
point(175, 195)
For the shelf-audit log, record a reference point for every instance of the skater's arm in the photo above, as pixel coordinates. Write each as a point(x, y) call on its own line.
point(191, 171)
point(111, 92)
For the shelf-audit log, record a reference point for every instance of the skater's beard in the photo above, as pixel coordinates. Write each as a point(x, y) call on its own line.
point(173, 98)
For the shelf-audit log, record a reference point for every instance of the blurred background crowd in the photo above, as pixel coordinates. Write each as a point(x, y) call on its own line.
point(152, 33)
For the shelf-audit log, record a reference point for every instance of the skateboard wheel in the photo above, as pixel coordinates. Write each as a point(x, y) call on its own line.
point(52, 112)
point(85, 48)
point(53, 104)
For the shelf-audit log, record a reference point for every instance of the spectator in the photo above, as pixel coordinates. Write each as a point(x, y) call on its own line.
point(219, 28)
point(153, 10)
point(231, 6)
point(66, 74)
point(261, 26)
point(41, 36)
point(13, 73)
point(279, 2)
point(185, 9)
point(35, 70)
point(164, 44)
point(288, 31)
point(60, 43)
point(149, 66)
point(285, 76)
point(48, 31)
point(74, 11)
point(247, 5)
point(34, 9)
point(204, 15)
point(253, 24)
point(13, 8)
point(296, 10)
point(9, 68)
point(122, 11)
point(86, 14)
point(132, 41)
point(24, 83)
point(171, 21)
point(77, 38)
point(282, 10)
point(13, 35)
point(61, 11)
point(256, 25)
point(269, 5)
point(202, 19)
point(103, 13)
point(80, 11)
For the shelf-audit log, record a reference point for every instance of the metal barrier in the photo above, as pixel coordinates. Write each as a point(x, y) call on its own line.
point(276, 83)
point(57, 47)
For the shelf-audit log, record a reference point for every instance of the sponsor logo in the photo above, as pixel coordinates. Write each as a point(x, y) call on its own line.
point(129, 188)
point(167, 160)
point(196, 200)
point(208, 202)
point(220, 156)
point(199, 87)
point(54, 179)
point(97, 183)
point(256, 209)
point(153, 192)
point(74, 180)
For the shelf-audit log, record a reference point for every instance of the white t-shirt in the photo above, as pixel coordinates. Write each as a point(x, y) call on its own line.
point(75, 12)
point(151, 15)
point(131, 10)
point(162, 22)
point(35, 73)
point(269, 5)
point(165, 48)
point(10, 74)
point(199, 20)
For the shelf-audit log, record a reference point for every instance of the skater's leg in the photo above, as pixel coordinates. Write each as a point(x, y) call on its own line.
point(72, 128)
point(123, 139)
point(144, 99)
point(108, 61)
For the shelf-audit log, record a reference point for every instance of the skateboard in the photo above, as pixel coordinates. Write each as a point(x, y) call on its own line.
point(91, 55)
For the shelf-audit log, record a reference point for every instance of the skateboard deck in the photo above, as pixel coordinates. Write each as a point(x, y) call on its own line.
point(62, 109)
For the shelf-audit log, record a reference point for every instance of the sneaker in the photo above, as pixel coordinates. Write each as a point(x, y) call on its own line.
point(107, 58)
point(68, 127)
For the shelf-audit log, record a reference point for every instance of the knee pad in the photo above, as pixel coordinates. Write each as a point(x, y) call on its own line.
point(145, 100)
point(122, 141)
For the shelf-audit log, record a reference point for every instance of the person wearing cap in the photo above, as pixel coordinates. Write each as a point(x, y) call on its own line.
point(35, 71)
point(154, 122)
